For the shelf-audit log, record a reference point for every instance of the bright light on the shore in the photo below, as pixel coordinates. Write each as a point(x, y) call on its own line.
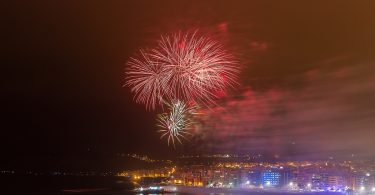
point(309, 185)
point(291, 184)
point(373, 189)
point(362, 188)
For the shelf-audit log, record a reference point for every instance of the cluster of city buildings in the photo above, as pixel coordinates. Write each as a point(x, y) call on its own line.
point(289, 176)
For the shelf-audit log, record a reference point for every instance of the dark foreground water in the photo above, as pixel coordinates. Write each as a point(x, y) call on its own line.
point(15, 184)
point(99, 185)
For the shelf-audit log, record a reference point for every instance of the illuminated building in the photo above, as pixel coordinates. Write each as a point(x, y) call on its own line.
point(271, 178)
point(255, 177)
point(316, 181)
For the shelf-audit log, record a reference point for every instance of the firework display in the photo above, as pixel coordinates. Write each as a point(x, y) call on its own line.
point(185, 67)
point(176, 123)
point(182, 68)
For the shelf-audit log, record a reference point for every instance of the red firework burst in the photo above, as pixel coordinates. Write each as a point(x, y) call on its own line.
point(183, 66)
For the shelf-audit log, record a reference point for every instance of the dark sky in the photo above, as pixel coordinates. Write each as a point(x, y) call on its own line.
point(308, 77)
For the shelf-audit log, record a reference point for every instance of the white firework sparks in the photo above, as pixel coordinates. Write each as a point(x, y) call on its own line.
point(177, 122)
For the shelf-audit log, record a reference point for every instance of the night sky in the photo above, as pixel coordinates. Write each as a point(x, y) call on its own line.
point(307, 86)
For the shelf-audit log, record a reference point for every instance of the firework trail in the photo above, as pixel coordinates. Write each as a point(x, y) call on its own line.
point(183, 66)
point(177, 122)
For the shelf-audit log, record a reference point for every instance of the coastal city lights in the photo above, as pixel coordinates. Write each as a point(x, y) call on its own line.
point(289, 176)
